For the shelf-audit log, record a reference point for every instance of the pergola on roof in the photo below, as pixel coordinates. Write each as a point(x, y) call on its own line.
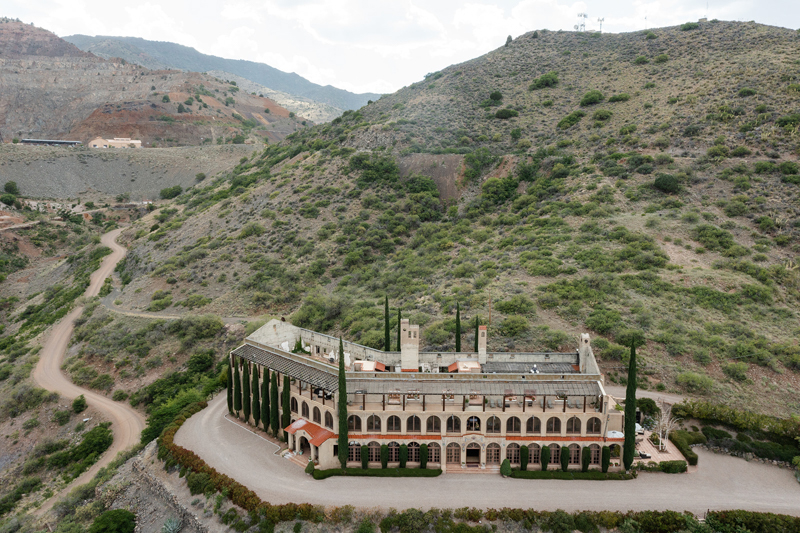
point(437, 387)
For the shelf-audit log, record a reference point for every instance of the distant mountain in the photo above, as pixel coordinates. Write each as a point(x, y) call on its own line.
point(157, 54)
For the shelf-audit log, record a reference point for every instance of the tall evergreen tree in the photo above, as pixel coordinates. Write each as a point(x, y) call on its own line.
point(286, 418)
point(458, 327)
point(630, 411)
point(246, 398)
point(387, 341)
point(398, 329)
point(256, 397)
point(265, 399)
point(274, 419)
point(229, 385)
point(476, 333)
point(342, 409)
point(237, 388)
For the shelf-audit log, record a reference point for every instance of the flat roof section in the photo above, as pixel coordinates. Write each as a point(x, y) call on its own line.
point(525, 367)
point(290, 365)
point(478, 386)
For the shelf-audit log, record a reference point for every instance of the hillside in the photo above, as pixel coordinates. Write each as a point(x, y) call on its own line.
point(66, 93)
point(666, 215)
point(145, 52)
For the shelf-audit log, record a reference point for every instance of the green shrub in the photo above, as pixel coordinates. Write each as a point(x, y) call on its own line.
point(517, 305)
point(171, 192)
point(622, 97)
point(590, 98)
point(602, 114)
point(746, 91)
point(514, 326)
point(694, 382)
point(672, 467)
point(545, 457)
point(764, 167)
point(310, 467)
point(199, 483)
point(384, 456)
point(403, 455)
point(717, 151)
point(79, 404)
point(789, 168)
point(8, 199)
point(564, 456)
point(736, 371)
point(115, 521)
point(683, 441)
point(689, 26)
point(661, 58)
point(375, 472)
point(523, 458)
point(423, 456)
point(605, 459)
point(667, 183)
point(592, 475)
point(506, 113)
point(252, 229)
point(62, 417)
point(740, 521)
point(641, 60)
point(505, 468)
point(740, 151)
point(586, 458)
point(546, 80)
point(571, 119)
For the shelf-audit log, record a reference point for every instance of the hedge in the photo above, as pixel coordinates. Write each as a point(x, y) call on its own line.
point(683, 439)
point(668, 467)
point(778, 429)
point(736, 521)
point(376, 472)
point(593, 475)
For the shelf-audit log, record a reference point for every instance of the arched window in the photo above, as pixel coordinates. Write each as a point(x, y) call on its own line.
point(328, 420)
point(354, 452)
point(317, 415)
point(374, 423)
point(593, 426)
point(433, 425)
point(574, 426)
point(553, 425)
point(394, 452)
point(535, 454)
point(453, 426)
point(393, 424)
point(374, 452)
point(413, 452)
point(493, 425)
point(513, 425)
point(555, 454)
point(493, 454)
point(354, 423)
point(574, 454)
point(293, 405)
point(453, 453)
point(413, 424)
point(473, 423)
point(595, 450)
point(434, 453)
point(512, 453)
point(533, 425)
point(304, 410)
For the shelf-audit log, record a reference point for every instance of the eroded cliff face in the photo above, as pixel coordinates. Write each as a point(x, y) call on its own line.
point(51, 89)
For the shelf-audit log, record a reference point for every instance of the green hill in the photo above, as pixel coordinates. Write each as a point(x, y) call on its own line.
point(646, 191)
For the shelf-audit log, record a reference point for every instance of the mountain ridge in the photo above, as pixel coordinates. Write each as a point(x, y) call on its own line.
point(188, 58)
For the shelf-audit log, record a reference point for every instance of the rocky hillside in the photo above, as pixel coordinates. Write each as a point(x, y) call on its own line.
point(171, 55)
point(69, 94)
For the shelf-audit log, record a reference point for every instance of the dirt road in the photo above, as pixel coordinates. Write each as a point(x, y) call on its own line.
point(126, 423)
point(721, 482)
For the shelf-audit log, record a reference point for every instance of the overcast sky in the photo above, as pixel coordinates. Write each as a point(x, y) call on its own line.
point(369, 45)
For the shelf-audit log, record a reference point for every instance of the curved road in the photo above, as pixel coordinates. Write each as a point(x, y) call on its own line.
point(721, 482)
point(126, 423)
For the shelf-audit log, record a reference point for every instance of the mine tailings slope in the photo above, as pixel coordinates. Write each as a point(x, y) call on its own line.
point(126, 423)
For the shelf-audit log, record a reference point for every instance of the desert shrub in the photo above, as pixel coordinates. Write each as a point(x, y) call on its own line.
point(740, 151)
point(736, 371)
point(590, 98)
point(571, 119)
point(252, 229)
point(667, 183)
point(640, 60)
point(516, 305)
point(79, 404)
point(718, 151)
point(621, 97)
point(746, 91)
point(602, 114)
point(514, 326)
point(603, 320)
point(506, 113)
point(689, 26)
point(545, 80)
point(764, 167)
point(661, 58)
point(694, 382)
point(171, 192)
point(61, 417)
point(119, 395)
point(789, 168)
point(115, 521)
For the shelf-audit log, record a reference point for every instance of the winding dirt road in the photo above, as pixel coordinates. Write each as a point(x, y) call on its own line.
point(126, 423)
point(721, 482)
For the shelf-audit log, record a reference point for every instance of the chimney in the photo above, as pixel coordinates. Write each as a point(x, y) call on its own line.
point(409, 346)
point(482, 344)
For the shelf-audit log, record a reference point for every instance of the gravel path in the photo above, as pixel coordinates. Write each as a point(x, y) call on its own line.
point(721, 482)
point(126, 423)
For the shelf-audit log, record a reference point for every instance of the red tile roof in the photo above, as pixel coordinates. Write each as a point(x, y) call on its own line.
point(317, 435)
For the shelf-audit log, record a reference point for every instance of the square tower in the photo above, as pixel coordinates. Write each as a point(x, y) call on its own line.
point(482, 333)
point(409, 346)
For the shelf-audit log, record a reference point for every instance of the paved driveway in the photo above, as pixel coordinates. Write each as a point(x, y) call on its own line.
point(721, 482)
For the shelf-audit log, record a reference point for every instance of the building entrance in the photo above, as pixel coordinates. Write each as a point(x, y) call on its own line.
point(473, 454)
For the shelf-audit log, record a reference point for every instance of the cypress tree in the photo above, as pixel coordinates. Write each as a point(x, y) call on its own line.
point(630, 411)
point(605, 459)
point(387, 341)
point(398, 330)
point(274, 420)
point(458, 327)
point(586, 458)
point(265, 400)
point(237, 388)
point(246, 398)
point(564, 457)
point(229, 385)
point(286, 419)
point(523, 458)
point(545, 457)
point(256, 397)
point(342, 409)
point(476, 334)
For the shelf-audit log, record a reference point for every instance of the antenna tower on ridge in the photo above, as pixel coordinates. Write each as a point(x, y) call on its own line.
point(582, 26)
point(601, 20)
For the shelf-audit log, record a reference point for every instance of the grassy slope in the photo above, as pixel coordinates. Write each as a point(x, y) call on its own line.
point(570, 236)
